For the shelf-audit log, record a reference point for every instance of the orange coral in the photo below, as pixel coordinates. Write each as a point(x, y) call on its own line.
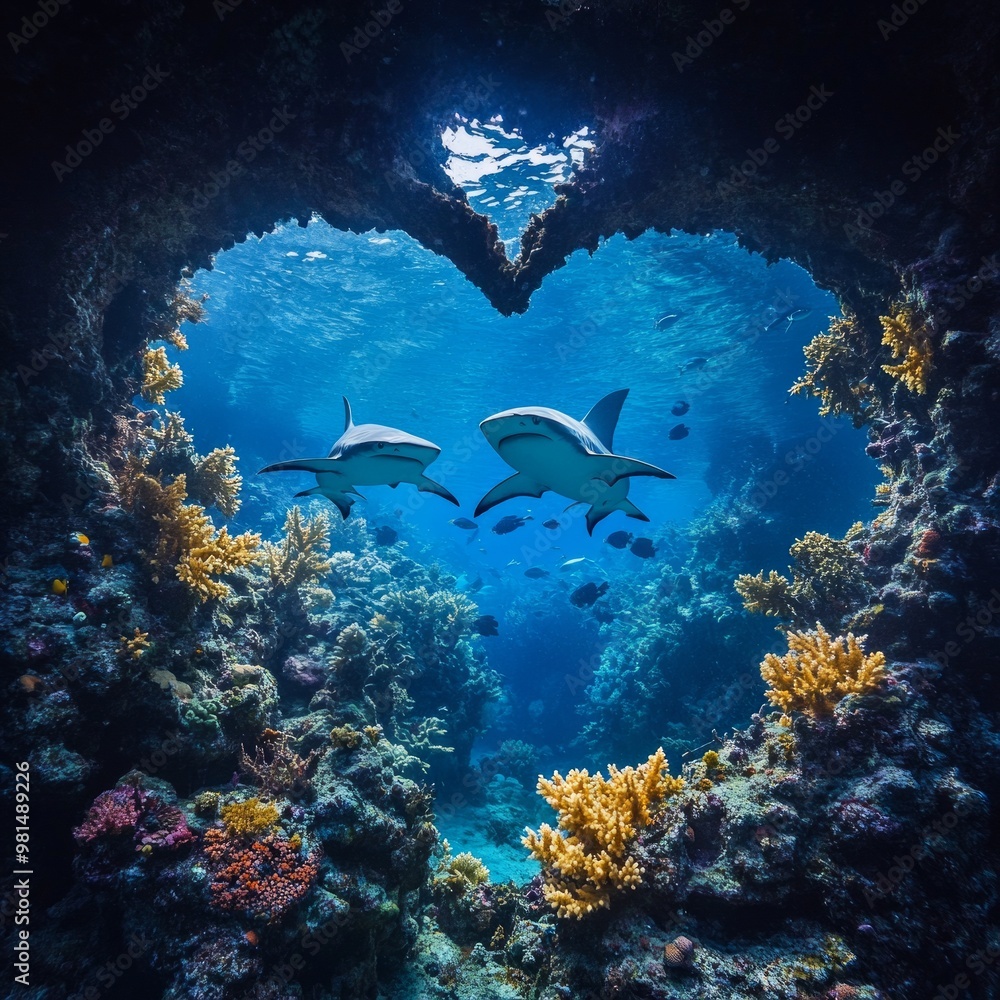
point(262, 879)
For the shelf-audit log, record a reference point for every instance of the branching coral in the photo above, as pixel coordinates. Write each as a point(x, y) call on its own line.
point(187, 540)
point(601, 818)
point(826, 579)
point(909, 340)
point(215, 481)
point(817, 672)
point(159, 376)
point(276, 767)
point(459, 873)
point(302, 556)
point(837, 370)
point(134, 648)
point(766, 597)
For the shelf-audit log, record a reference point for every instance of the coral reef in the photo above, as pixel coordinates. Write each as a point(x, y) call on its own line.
point(909, 339)
point(601, 817)
point(827, 580)
point(159, 376)
point(838, 372)
point(817, 672)
point(302, 556)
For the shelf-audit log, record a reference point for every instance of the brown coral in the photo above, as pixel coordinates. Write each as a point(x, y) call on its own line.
point(302, 556)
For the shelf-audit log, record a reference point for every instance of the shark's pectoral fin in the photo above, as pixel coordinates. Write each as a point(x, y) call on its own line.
point(427, 485)
point(518, 485)
point(354, 492)
point(341, 501)
point(305, 465)
point(616, 467)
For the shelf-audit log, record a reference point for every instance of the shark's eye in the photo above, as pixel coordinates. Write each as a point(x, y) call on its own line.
point(381, 444)
point(536, 420)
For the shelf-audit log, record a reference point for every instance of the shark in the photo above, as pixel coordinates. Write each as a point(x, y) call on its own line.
point(368, 455)
point(574, 458)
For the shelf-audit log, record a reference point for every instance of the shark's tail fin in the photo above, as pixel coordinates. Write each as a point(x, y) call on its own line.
point(597, 514)
point(427, 485)
point(341, 501)
point(631, 510)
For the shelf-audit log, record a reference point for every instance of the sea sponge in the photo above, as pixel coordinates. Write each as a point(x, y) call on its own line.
point(817, 672)
point(601, 818)
point(302, 556)
point(909, 339)
point(159, 376)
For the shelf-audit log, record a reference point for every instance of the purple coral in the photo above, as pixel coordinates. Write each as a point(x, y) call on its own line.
point(130, 811)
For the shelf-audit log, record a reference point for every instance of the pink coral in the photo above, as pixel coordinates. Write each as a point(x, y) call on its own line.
point(144, 817)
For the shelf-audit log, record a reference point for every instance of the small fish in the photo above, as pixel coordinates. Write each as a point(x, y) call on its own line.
point(575, 563)
point(514, 562)
point(536, 572)
point(666, 321)
point(584, 597)
point(678, 432)
point(385, 535)
point(464, 523)
point(509, 523)
point(60, 586)
point(552, 523)
point(680, 408)
point(79, 538)
point(788, 317)
point(643, 548)
point(619, 539)
point(476, 585)
point(496, 573)
point(107, 562)
point(485, 625)
point(692, 365)
point(603, 615)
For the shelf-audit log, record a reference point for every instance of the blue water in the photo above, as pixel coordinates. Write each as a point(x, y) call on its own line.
point(303, 316)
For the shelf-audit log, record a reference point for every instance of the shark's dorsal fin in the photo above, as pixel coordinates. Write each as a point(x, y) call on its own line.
point(603, 417)
point(348, 421)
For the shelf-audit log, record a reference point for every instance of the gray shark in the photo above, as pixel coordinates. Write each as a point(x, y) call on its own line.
point(574, 458)
point(368, 455)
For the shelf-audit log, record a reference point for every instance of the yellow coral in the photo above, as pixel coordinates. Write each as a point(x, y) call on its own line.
point(188, 540)
point(159, 376)
point(302, 556)
point(460, 873)
point(133, 648)
point(767, 597)
point(911, 341)
point(817, 672)
point(836, 371)
point(601, 818)
point(249, 818)
point(170, 438)
point(345, 737)
point(216, 481)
